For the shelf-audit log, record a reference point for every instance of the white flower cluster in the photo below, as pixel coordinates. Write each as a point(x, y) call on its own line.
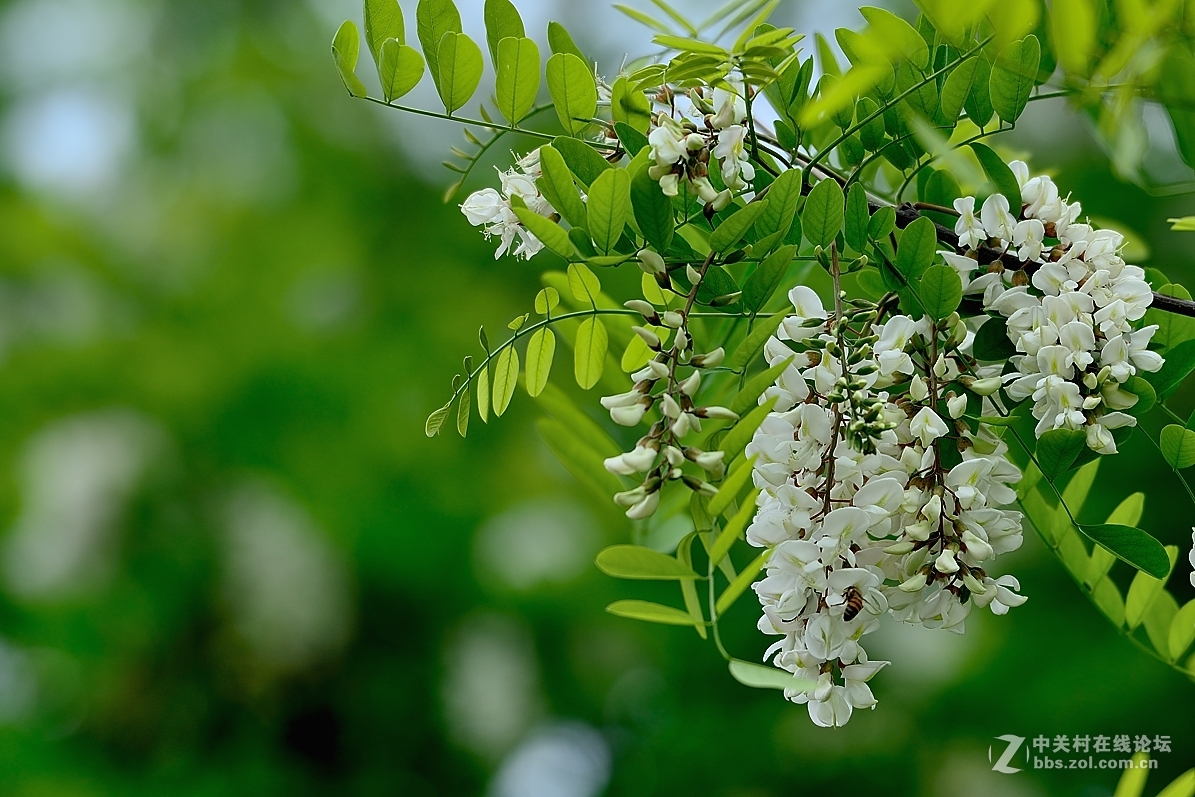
point(1070, 308)
point(662, 453)
point(491, 209)
point(870, 501)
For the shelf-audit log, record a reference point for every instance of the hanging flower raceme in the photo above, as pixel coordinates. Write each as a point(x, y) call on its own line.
point(1070, 309)
point(870, 501)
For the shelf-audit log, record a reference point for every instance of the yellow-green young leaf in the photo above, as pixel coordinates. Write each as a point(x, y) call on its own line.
point(506, 376)
point(1185, 224)
point(940, 291)
point(757, 676)
point(565, 410)
point(460, 67)
point(502, 20)
point(1182, 631)
point(637, 562)
point(918, 246)
point(1132, 782)
point(462, 413)
point(1178, 446)
point(589, 357)
point(552, 234)
point(731, 487)
point(737, 587)
point(1107, 599)
point(517, 82)
point(581, 461)
point(1143, 591)
point(433, 19)
point(653, 211)
point(540, 351)
point(734, 528)
point(483, 394)
point(383, 20)
point(736, 225)
point(1012, 19)
point(559, 41)
point(400, 70)
point(583, 283)
point(1158, 619)
point(1013, 77)
point(748, 397)
point(824, 213)
point(547, 300)
point(630, 105)
point(897, 34)
point(556, 184)
point(435, 421)
point(753, 344)
point(346, 46)
point(650, 612)
point(573, 90)
point(637, 353)
point(1182, 786)
point(738, 437)
point(1073, 28)
point(609, 204)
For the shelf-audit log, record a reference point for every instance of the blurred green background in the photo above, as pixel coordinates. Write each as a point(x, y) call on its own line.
point(230, 561)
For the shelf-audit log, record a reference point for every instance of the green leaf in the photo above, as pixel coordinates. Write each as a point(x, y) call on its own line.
point(858, 215)
point(978, 104)
point(630, 105)
point(460, 65)
point(643, 19)
point(784, 197)
point(581, 158)
point(565, 410)
point(1158, 620)
point(883, 222)
point(637, 562)
point(517, 81)
point(581, 460)
point(502, 21)
point(1182, 631)
point(483, 394)
point(766, 278)
point(653, 211)
point(738, 437)
point(346, 46)
point(1107, 599)
point(547, 300)
point(589, 355)
point(737, 587)
point(506, 376)
point(433, 19)
point(1173, 328)
point(540, 351)
point(609, 205)
point(1013, 77)
point(573, 90)
point(753, 344)
point(940, 291)
point(757, 676)
point(730, 488)
point(400, 70)
point(462, 413)
point(1178, 446)
point(556, 184)
point(1073, 29)
point(688, 586)
point(651, 613)
point(1144, 391)
point(1057, 450)
point(1185, 224)
point(894, 32)
point(824, 213)
point(552, 234)
point(1000, 175)
point(733, 530)
point(917, 249)
point(957, 88)
point(383, 20)
point(1180, 361)
point(991, 341)
point(632, 140)
point(1143, 592)
point(435, 421)
point(559, 41)
point(1132, 545)
point(583, 284)
point(730, 231)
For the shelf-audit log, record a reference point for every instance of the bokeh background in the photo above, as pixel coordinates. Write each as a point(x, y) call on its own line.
point(230, 561)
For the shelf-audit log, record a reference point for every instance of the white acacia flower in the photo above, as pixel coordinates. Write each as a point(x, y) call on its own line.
point(970, 231)
point(737, 170)
point(997, 221)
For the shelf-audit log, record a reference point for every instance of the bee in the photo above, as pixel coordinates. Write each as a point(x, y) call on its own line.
point(854, 603)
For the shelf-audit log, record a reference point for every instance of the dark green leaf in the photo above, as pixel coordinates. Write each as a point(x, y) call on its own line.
point(824, 211)
point(581, 158)
point(957, 88)
point(940, 290)
point(766, 278)
point(991, 341)
point(556, 184)
point(552, 234)
point(917, 249)
point(609, 205)
point(858, 216)
point(1000, 175)
point(506, 376)
point(632, 140)
point(883, 222)
point(748, 397)
point(730, 231)
point(1058, 449)
point(653, 210)
point(753, 344)
point(1132, 545)
point(1013, 77)
point(1178, 446)
point(739, 436)
point(1180, 361)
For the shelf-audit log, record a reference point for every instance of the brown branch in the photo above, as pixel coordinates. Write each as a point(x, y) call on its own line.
point(906, 214)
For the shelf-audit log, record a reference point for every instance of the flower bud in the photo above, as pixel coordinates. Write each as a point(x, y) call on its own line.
point(977, 548)
point(918, 390)
point(721, 413)
point(693, 274)
point(672, 318)
point(628, 416)
point(710, 359)
point(670, 408)
point(914, 584)
point(899, 549)
point(650, 338)
point(644, 309)
point(646, 507)
point(981, 387)
point(651, 262)
point(689, 386)
point(946, 563)
point(956, 406)
point(974, 585)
